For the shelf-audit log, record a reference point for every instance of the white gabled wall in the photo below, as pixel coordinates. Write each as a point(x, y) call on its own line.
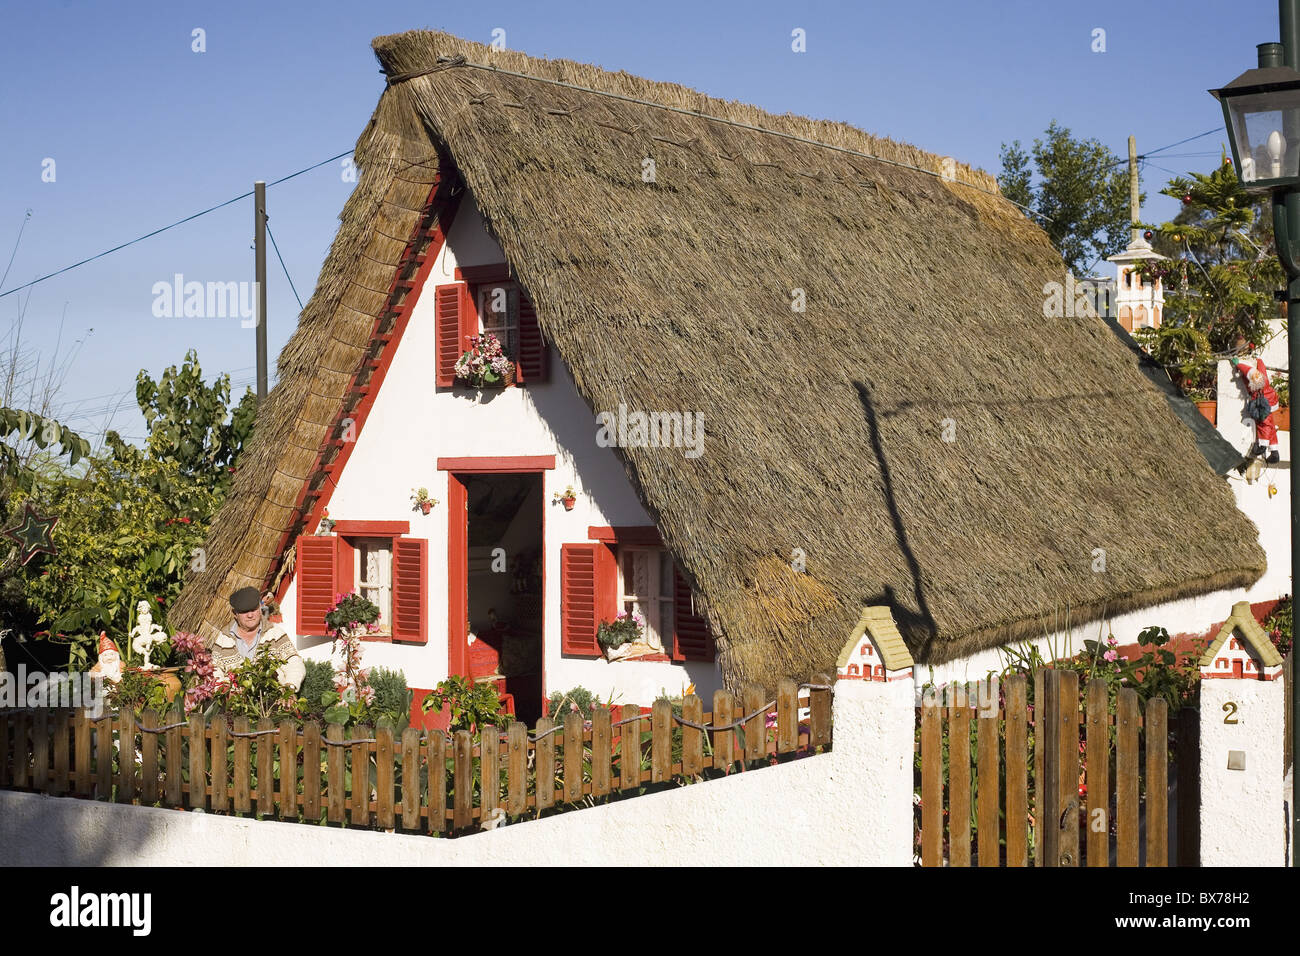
point(412, 424)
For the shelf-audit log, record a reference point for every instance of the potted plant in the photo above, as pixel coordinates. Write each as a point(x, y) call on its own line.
point(420, 500)
point(1205, 402)
point(624, 629)
point(326, 525)
point(567, 497)
point(484, 365)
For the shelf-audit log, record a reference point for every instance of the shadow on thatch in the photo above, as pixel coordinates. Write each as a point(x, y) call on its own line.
point(916, 623)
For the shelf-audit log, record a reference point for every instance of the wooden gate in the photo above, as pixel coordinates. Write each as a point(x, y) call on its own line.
point(1099, 792)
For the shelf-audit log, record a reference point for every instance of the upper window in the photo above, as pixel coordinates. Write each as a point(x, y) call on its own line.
point(498, 313)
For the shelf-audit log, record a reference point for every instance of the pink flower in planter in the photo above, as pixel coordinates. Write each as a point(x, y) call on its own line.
point(1111, 655)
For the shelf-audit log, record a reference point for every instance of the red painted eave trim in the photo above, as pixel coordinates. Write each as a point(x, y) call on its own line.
point(628, 534)
point(487, 465)
point(496, 272)
point(443, 216)
point(376, 528)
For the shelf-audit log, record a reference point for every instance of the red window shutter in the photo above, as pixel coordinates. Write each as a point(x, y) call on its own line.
point(468, 317)
point(317, 579)
point(692, 640)
point(448, 305)
point(410, 590)
point(533, 352)
point(587, 595)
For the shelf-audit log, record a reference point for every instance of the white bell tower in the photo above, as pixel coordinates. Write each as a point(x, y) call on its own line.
point(1138, 302)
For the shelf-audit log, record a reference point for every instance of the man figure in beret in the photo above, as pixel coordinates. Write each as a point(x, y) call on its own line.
point(248, 632)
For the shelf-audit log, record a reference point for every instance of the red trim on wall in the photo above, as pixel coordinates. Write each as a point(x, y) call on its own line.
point(495, 272)
point(380, 529)
point(647, 535)
point(443, 217)
point(489, 465)
point(457, 576)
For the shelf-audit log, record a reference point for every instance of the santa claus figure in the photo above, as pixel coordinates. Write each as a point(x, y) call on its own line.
point(1260, 406)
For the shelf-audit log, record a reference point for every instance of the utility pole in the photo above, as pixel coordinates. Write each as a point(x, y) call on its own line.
point(1133, 206)
point(259, 226)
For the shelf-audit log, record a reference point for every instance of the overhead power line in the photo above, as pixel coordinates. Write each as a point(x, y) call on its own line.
point(179, 222)
point(276, 247)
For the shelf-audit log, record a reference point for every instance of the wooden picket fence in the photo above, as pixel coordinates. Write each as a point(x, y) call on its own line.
point(1112, 810)
point(425, 781)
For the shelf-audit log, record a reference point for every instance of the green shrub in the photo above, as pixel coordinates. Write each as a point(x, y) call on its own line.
point(472, 705)
point(392, 698)
point(319, 681)
point(560, 705)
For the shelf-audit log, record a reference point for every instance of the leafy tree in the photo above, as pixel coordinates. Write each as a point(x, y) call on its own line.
point(1081, 194)
point(43, 433)
point(126, 532)
point(191, 423)
point(20, 467)
point(130, 519)
point(1219, 278)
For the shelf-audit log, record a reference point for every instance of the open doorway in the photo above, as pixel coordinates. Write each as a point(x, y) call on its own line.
point(504, 585)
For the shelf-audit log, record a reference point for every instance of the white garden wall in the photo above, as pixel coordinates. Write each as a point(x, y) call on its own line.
point(850, 807)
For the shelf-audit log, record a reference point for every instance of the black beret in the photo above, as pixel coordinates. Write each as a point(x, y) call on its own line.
point(245, 599)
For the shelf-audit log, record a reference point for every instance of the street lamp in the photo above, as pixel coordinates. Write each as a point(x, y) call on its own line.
point(1261, 109)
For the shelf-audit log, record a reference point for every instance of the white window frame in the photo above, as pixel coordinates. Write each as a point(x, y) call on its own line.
point(385, 604)
point(508, 323)
point(654, 606)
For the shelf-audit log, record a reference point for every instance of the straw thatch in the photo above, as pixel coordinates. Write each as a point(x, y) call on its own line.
point(824, 429)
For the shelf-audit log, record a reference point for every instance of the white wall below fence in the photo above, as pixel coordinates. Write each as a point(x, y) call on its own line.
point(1242, 821)
point(852, 806)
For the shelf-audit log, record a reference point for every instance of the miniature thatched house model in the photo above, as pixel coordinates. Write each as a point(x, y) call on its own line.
point(884, 416)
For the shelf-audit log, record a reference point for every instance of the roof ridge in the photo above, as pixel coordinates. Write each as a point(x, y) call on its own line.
point(421, 52)
point(460, 60)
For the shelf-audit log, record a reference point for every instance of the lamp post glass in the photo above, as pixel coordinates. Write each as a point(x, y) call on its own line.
point(1257, 126)
point(1261, 109)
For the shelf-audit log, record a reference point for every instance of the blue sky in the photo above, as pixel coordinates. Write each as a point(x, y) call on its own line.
point(143, 130)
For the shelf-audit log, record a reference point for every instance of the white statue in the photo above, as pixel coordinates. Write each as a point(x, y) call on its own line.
point(146, 635)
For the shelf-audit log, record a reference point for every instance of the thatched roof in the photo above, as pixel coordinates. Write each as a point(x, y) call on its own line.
point(824, 429)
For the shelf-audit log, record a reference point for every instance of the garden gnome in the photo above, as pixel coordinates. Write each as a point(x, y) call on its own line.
point(109, 665)
point(1261, 405)
point(247, 632)
point(146, 635)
